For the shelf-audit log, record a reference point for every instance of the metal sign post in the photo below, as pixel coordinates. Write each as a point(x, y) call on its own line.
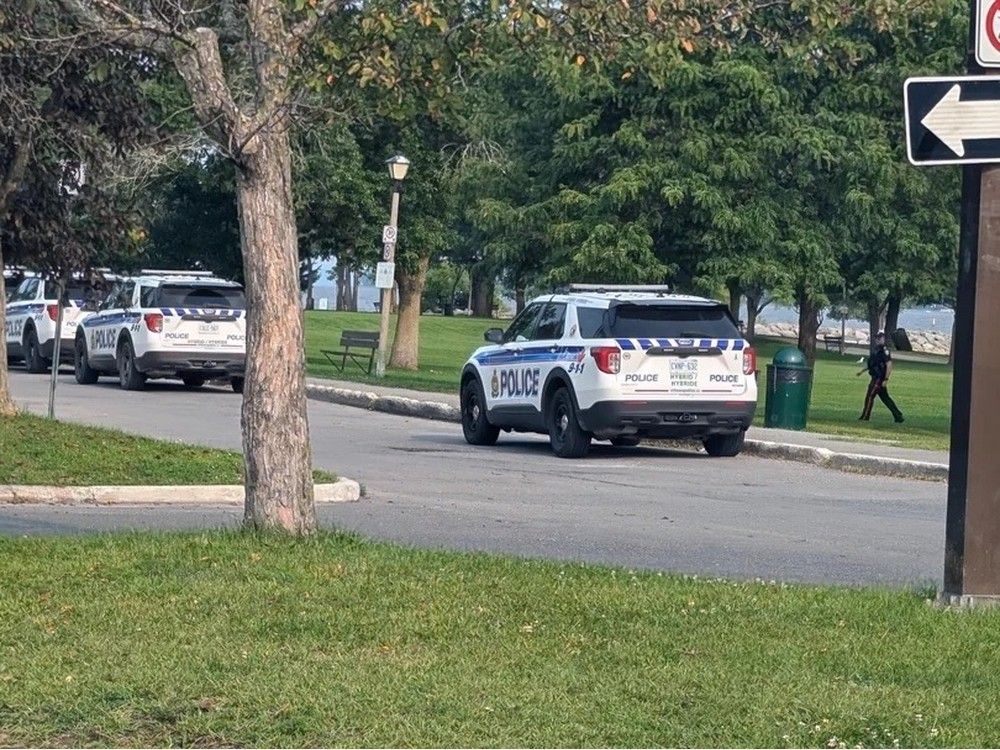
point(389, 236)
point(955, 121)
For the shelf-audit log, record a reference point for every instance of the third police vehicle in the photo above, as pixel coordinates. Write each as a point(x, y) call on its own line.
point(613, 363)
point(31, 314)
point(188, 325)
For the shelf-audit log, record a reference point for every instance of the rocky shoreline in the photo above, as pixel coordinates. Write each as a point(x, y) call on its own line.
point(926, 342)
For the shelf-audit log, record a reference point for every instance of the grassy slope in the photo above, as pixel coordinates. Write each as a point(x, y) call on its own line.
point(39, 451)
point(217, 639)
point(923, 391)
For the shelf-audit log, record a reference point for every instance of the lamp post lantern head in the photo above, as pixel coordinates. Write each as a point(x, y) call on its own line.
point(398, 165)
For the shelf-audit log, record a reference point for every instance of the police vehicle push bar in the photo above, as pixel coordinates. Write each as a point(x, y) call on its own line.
point(661, 288)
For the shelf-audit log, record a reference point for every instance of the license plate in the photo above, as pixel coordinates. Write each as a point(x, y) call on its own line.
point(684, 373)
point(208, 328)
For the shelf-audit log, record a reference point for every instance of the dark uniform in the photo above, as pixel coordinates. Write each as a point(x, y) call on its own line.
point(878, 367)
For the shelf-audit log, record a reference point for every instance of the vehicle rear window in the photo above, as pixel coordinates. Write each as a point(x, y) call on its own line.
point(199, 295)
point(591, 320)
point(675, 322)
point(76, 290)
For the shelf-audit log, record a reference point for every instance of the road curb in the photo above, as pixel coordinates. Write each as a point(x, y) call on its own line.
point(856, 463)
point(849, 462)
point(341, 491)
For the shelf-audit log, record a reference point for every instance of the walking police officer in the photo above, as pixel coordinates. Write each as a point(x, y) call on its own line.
point(879, 368)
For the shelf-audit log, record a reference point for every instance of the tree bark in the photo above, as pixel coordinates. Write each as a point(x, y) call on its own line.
point(893, 305)
point(9, 181)
point(483, 289)
point(875, 310)
point(519, 300)
point(354, 288)
point(406, 344)
point(343, 297)
point(809, 320)
point(279, 487)
point(7, 407)
point(753, 305)
point(735, 296)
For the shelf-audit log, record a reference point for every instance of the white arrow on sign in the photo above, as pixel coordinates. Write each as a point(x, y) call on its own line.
point(954, 121)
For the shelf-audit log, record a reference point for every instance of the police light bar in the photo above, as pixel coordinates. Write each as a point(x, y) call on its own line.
point(657, 288)
point(165, 272)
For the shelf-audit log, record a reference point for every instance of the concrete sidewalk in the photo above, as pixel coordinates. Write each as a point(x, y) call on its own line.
point(811, 447)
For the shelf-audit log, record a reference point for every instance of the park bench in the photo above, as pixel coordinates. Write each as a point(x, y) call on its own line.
point(833, 342)
point(357, 340)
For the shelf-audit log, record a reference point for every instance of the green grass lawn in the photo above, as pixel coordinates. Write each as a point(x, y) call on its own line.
point(34, 450)
point(922, 390)
point(220, 639)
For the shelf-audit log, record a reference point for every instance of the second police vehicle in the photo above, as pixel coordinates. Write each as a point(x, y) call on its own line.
point(188, 325)
point(31, 314)
point(613, 363)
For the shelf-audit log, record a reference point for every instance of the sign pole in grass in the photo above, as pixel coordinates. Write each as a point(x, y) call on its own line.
point(385, 273)
point(972, 532)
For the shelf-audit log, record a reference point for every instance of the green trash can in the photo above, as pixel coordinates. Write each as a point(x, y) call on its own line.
point(789, 383)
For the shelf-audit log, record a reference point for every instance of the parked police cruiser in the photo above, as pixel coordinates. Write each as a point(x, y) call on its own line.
point(188, 325)
point(616, 363)
point(31, 314)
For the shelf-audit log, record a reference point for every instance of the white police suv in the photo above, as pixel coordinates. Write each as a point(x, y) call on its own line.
point(165, 324)
point(30, 323)
point(613, 363)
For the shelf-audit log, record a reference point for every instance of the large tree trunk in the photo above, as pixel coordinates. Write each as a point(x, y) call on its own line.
point(809, 319)
point(355, 288)
point(753, 305)
point(875, 311)
point(279, 486)
point(735, 295)
point(343, 297)
point(7, 407)
point(10, 179)
point(519, 300)
point(406, 344)
point(483, 288)
point(894, 303)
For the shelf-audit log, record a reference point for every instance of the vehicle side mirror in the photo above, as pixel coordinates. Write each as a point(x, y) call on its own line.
point(494, 335)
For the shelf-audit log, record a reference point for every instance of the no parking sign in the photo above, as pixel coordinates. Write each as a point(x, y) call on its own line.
point(988, 33)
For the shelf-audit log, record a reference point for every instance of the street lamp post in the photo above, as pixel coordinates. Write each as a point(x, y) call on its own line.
point(398, 167)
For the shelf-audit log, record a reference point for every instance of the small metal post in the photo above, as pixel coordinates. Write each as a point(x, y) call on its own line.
point(56, 348)
point(388, 256)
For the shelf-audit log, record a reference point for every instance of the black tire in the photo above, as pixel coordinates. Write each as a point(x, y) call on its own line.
point(193, 381)
point(236, 384)
point(568, 439)
point(626, 441)
point(724, 446)
point(85, 374)
point(475, 425)
point(34, 362)
point(129, 378)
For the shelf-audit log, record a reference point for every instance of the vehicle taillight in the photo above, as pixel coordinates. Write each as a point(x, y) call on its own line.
point(608, 358)
point(53, 311)
point(154, 322)
point(749, 361)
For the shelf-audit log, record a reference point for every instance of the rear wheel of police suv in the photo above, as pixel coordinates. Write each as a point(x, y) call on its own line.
point(568, 439)
point(33, 360)
point(236, 384)
point(724, 446)
point(193, 381)
point(129, 377)
point(84, 373)
point(475, 426)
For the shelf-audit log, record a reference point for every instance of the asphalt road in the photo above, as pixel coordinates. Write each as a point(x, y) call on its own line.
point(642, 508)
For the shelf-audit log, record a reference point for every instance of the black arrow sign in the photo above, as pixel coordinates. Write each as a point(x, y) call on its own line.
point(953, 120)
